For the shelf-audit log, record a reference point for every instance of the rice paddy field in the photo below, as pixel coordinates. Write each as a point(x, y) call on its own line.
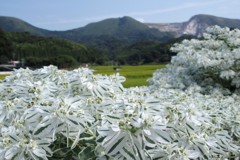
point(135, 75)
point(2, 76)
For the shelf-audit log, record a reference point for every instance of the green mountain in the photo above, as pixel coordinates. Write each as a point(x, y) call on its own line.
point(112, 35)
point(115, 37)
point(12, 24)
point(125, 28)
point(109, 36)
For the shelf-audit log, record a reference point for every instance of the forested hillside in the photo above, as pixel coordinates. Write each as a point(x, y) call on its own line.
point(108, 36)
point(39, 51)
point(123, 40)
point(5, 47)
point(148, 51)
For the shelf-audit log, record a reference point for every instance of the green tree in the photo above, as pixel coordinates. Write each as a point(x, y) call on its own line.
point(5, 47)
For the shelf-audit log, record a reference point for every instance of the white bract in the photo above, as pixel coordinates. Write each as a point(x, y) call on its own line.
point(207, 62)
point(189, 111)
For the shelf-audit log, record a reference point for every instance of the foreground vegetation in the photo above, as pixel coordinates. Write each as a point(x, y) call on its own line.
point(189, 111)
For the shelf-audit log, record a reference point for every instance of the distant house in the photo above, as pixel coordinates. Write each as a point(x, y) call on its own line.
point(85, 65)
point(117, 68)
point(9, 66)
point(15, 63)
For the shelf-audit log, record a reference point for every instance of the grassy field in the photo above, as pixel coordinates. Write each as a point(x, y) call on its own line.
point(135, 75)
point(2, 76)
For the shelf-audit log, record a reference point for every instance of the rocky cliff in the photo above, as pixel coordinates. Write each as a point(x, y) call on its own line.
point(195, 26)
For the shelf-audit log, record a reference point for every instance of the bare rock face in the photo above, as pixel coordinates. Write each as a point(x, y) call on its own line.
point(175, 28)
point(192, 27)
point(196, 25)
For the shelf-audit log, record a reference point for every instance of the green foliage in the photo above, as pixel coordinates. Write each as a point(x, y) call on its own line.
point(5, 48)
point(3, 59)
point(144, 52)
point(62, 61)
point(65, 61)
point(40, 51)
point(148, 51)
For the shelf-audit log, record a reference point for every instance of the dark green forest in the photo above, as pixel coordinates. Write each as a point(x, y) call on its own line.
point(148, 51)
point(38, 51)
point(5, 47)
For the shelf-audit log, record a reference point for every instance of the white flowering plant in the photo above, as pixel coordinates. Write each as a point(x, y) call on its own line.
point(183, 114)
point(211, 61)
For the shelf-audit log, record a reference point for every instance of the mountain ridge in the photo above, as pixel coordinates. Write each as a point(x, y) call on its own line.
point(111, 35)
point(123, 28)
point(196, 25)
point(13, 24)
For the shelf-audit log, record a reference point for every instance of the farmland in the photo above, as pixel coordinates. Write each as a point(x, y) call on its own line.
point(2, 76)
point(135, 75)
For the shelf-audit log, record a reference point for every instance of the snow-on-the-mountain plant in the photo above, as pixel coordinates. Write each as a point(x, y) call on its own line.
point(190, 110)
point(211, 62)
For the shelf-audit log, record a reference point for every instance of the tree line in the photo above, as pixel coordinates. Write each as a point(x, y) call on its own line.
point(39, 51)
point(36, 51)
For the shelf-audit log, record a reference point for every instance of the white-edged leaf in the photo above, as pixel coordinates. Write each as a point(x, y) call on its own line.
point(104, 131)
point(12, 152)
point(128, 153)
point(45, 127)
point(148, 142)
point(160, 136)
point(40, 153)
point(76, 139)
point(111, 138)
point(117, 145)
point(194, 154)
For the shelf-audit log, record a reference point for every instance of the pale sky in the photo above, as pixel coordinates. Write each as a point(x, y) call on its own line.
point(69, 14)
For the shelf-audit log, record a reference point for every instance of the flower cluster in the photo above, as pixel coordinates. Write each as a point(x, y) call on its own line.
point(211, 61)
point(184, 114)
point(38, 106)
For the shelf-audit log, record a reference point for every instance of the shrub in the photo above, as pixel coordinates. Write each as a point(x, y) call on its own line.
point(53, 114)
point(213, 60)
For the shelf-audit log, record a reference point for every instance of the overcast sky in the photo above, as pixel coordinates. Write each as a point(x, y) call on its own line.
point(69, 14)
